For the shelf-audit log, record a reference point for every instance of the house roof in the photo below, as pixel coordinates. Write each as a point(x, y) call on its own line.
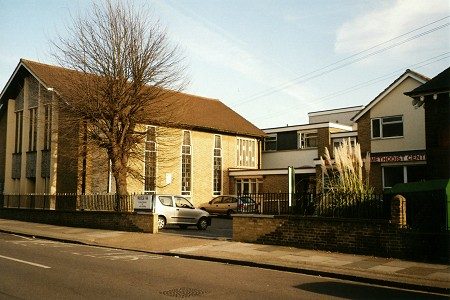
point(309, 126)
point(438, 84)
point(335, 110)
point(407, 74)
point(195, 112)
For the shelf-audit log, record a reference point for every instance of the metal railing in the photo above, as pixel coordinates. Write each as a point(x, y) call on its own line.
point(344, 206)
point(94, 202)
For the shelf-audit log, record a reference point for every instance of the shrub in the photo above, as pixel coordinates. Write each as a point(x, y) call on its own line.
point(344, 183)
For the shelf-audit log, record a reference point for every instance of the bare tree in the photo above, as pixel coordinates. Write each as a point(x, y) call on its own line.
point(126, 69)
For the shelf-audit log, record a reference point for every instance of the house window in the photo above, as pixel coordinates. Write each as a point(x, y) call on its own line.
point(248, 186)
point(402, 174)
point(150, 161)
point(270, 143)
point(18, 136)
point(217, 180)
point(287, 140)
point(32, 133)
point(338, 141)
point(186, 164)
point(387, 127)
point(307, 140)
point(47, 126)
point(246, 152)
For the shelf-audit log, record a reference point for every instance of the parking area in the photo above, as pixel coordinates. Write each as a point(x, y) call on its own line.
point(221, 228)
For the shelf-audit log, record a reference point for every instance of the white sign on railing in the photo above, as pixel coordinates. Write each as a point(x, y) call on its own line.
point(143, 201)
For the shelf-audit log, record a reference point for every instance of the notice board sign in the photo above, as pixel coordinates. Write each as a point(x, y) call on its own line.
point(143, 202)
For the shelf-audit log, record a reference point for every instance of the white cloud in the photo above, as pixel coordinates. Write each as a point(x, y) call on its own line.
point(389, 21)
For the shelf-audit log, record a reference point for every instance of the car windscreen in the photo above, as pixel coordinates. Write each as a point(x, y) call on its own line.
point(166, 200)
point(246, 200)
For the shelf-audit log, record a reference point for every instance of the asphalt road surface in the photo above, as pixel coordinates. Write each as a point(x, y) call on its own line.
point(42, 269)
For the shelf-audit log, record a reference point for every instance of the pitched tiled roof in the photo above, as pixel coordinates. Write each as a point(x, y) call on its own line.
point(438, 84)
point(194, 112)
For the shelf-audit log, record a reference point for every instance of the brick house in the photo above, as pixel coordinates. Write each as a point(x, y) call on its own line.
point(299, 146)
point(189, 154)
point(435, 95)
point(393, 132)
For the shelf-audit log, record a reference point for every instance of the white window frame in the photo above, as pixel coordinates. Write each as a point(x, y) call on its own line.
point(272, 138)
point(219, 150)
point(246, 151)
point(145, 162)
point(340, 140)
point(381, 135)
point(304, 136)
point(257, 182)
point(405, 172)
point(186, 193)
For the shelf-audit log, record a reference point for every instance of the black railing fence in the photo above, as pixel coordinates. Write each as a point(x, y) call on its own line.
point(94, 202)
point(326, 205)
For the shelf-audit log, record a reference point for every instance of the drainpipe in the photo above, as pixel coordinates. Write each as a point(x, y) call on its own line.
point(259, 154)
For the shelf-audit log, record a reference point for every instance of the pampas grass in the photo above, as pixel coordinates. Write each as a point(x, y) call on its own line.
point(346, 185)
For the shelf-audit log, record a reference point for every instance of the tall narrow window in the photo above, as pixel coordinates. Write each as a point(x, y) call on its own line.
point(32, 133)
point(246, 152)
point(18, 136)
point(47, 126)
point(217, 181)
point(186, 164)
point(150, 161)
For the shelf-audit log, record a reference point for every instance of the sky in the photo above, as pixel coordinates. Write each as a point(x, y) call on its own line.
point(270, 61)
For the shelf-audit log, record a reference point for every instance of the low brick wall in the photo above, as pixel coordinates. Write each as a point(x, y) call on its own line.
point(368, 237)
point(87, 219)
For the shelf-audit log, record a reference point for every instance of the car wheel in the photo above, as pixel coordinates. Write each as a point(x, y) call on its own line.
point(230, 212)
point(202, 224)
point(161, 222)
point(183, 226)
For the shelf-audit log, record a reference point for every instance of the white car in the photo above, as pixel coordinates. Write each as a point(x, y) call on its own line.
point(178, 210)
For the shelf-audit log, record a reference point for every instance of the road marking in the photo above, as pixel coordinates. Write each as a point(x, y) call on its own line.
point(41, 243)
point(25, 262)
point(26, 238)
point(110, 254)
point(122, 255)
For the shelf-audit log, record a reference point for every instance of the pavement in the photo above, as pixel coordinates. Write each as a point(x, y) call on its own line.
point(426, 277)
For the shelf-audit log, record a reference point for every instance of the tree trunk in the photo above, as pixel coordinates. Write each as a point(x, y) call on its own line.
point(120, 172)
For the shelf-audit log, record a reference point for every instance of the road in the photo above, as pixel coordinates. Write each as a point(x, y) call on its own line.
point(42, 269)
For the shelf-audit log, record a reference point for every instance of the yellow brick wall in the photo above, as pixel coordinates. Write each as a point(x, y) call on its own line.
point(169, 165)
point(260, 226)
point(168, 161)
